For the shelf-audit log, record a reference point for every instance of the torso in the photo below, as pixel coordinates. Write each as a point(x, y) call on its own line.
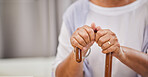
point(128, 26)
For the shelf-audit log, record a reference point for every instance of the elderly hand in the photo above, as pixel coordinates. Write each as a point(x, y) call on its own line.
point(83, 38)
point(107, 40)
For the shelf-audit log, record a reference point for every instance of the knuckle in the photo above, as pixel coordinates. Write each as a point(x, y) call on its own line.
point(118, 45)
point(89, 30)
point(116, 39)
point(76, 44)
point(106, 51)
point(101, 40)
point(99, 33)
point(113, 34)
point(75, 32)
point(78, 28)
point(108, 30)
point(75, 37)
point(103, 51)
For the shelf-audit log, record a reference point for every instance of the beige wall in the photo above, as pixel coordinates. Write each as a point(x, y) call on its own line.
point(31, 27)
point(0, 40)
point(25, 24)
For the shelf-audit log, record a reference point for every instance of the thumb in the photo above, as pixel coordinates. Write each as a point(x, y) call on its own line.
point(93, 26)
point(98, 28)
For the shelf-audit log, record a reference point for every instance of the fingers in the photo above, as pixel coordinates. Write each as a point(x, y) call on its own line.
point(83, 33)
point(103, 32)
point(107, 45)
point(80, 40)
point(90, 32)
point(104, 39)
point(85, 36)
point(75, 43)
point(98, 28)
point(99, 34)
point(82, 37)
point(107, 40)
point(93, 26)
point(114, 48)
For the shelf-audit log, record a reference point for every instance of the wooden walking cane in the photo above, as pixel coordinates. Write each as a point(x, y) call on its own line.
point(108, 65)
point(108, 62)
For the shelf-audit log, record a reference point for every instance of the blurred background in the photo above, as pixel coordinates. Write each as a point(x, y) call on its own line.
point(29, 32)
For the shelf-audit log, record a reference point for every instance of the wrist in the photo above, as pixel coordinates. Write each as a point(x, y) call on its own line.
point(120, 54)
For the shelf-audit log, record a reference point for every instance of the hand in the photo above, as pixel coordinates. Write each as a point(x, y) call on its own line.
point(83, 38)
point(107, 40)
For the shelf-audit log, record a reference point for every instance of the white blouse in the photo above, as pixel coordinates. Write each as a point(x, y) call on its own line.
point(128, 25)
point(127, 22)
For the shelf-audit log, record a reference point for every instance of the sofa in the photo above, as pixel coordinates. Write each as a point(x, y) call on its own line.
point(36, 67)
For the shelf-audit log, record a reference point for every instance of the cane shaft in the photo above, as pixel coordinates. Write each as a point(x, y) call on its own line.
point(108, 65)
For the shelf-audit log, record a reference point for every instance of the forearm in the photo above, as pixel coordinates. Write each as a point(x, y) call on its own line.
point(70, 68)
point(134, 59)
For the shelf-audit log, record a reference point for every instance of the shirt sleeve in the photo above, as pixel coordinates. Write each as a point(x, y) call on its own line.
point(64, 47)
point(145, 42)
point(145, 35)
